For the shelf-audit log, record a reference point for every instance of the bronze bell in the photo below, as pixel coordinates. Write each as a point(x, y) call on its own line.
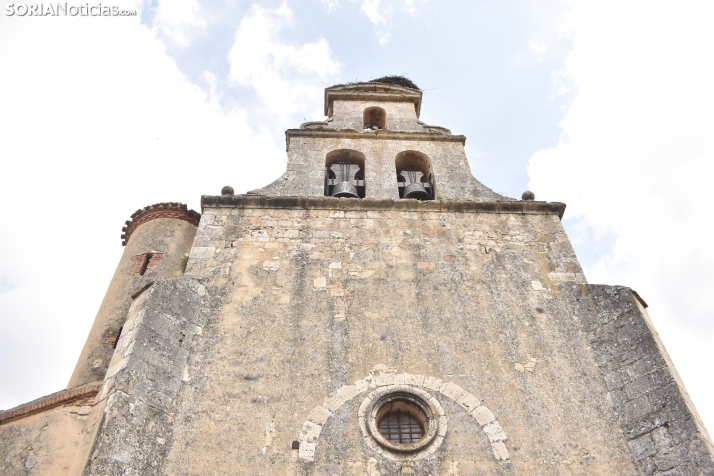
point(345, 173)
point(416, 190)
point(413, 186)
point(345, 190)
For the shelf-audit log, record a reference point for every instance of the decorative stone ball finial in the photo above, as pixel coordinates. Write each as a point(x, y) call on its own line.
point(528, 195)
point(227, 190)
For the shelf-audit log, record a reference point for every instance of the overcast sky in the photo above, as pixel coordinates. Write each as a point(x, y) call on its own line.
point(607, 106)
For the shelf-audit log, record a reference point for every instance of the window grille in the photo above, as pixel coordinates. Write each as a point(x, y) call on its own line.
point(401, 427)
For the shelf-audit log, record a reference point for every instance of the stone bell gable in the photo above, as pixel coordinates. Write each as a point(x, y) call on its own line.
point(374, 311)
point(376, 127)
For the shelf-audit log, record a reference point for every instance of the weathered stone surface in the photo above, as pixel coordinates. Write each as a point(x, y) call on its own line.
point(658, 419)
point(308, 146)
point(279, 326)
point(298, 312)
point(172, 237)
point(45, 443)
point(483, 415)
point(140, 397)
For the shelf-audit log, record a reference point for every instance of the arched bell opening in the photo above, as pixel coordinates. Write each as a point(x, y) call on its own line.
point(414, 176)
point(344, 174)
point(375, 118)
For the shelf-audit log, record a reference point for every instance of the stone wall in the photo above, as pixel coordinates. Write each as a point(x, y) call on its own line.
point(306, 164)
point(297, 313)
point(315, 301)
point(144, 377)
point(44, 443)
point(401, 116)
point(658, 419)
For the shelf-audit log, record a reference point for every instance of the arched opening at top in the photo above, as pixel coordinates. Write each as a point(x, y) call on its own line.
point(344, 174)
point(414, 176)
point(375, 118)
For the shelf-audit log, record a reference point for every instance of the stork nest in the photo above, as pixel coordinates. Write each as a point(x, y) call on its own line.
point(398, 80)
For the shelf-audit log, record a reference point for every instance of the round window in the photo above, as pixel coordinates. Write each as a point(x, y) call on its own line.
point(402, 419)
point(401, 422)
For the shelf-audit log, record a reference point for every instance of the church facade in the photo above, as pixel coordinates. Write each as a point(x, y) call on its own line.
point(374, 311)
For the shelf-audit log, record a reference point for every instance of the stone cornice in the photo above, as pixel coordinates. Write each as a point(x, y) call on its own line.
point(174, 210)
point(371, 135)
point(349, 204)
point(378, 92)
point(63, 397)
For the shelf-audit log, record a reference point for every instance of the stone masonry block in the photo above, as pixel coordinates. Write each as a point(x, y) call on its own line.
point(483, 415)
point(121, 365)
point(669, 458)
point(644, 425)
point(307, 451)
point(642, 367)
point(349, 391)
point(385, 378)
point(616, 379)
point(642, 447)
point(617, 397)
point(452, 391)
point(414, 379)
point(334, 401)
point(639, 387)
point(204, 252)
point(319, 415)
point(433, 383)
point(494, 432)
point(310, 432)
point(499, 451)
point(362, 385)
point(468, 401)
point(634, 409)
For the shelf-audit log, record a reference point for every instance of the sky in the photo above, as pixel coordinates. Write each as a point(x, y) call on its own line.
point(606, 106)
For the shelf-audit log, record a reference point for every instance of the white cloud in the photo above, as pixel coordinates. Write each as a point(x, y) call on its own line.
point(286, 77)
point(538, 49)
point(91, 129)
point(547, 30)
point(371, 9)
point(410, 6)
point(331, 4)
point(380, 13)
point(635, 163)
point(179, 20)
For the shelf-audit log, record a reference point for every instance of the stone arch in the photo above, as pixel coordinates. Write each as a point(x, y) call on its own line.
point(318, 417)
point(419, 165)
point(413, 159)
point(346, 155)
point(374, 117)
point(347, 162)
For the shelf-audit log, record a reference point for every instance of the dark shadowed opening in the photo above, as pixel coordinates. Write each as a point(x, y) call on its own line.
point(375, 117)
point(344, 174)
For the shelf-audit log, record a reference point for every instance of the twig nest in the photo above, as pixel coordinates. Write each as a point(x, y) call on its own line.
point(228, 190)
point(528, 195)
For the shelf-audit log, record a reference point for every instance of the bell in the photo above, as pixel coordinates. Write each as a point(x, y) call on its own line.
point(416, 190)
point(345, 190)
point(413, 188)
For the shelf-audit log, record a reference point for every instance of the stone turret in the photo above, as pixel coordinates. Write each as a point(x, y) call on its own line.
point(157, 241)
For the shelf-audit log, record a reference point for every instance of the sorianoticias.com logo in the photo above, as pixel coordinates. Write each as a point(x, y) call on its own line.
point(65, 9)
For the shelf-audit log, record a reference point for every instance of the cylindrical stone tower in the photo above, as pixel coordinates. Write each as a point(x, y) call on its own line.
point(157, 241)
